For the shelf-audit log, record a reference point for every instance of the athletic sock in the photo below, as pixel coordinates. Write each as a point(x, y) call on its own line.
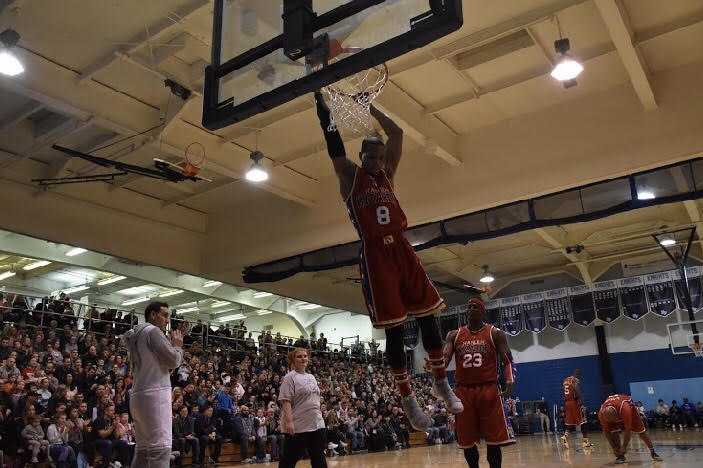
point(494, 456)
point(471, 455)
point(436, 356)
point(402, 381)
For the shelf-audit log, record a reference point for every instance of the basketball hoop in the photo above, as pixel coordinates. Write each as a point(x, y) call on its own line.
point(195, 157)
point(350, 98)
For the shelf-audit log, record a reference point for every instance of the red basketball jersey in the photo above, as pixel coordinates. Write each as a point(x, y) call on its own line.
point(621, 403)
point(568, 389)
point(476, 356)
point(373, 207)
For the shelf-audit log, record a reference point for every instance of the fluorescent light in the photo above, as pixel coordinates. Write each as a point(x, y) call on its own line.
point(171, 293)
point(9, 64)
point(227, 318)
point(112, 279)
point(189, 309)
point(135, 301)
point(74, 252)
point(217, 304)
point(38, 264)
point(263, 312)
point(210, 284)
point(136, 290)
point(76, 289)
point(567, 69)
point(261, 294)
point(308, 306)
point(6, 275)
point(645, 195)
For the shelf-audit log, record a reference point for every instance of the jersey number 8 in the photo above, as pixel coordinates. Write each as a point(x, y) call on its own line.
point(473, 360)
point(383, 215)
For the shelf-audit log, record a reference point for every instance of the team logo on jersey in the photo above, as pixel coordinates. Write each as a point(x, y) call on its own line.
point(474, 346)
point(374, 196)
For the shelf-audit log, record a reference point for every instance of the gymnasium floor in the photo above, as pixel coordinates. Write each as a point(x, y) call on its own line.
point(679, 449)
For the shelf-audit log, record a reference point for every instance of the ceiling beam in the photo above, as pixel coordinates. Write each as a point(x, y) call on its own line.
point(20, 116)
point(213, 186)
point(618, 25)
point(269, 118)
point(556, 240)
point(312, 150)
point(143, 38)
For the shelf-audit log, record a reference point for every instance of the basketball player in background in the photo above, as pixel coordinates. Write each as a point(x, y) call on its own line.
point(574, 409)
point(479, 350)
point(394, 283)
point(619, 413)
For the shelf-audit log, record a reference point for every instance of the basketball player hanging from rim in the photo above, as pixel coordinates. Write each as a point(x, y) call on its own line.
point(479, 349)
point(394, 283)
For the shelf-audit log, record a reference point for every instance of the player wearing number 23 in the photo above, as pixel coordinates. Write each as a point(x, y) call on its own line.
point(479, 350)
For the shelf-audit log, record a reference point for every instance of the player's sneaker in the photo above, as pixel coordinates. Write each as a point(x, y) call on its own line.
point(442, 390)
point(587, 443)
point(418, 419)
point(655, 456)
point(565, 440)
point(620, 460)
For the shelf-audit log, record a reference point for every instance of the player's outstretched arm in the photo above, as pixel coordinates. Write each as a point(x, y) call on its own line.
point(394, 145)
point(343, 167)
point(506, 359)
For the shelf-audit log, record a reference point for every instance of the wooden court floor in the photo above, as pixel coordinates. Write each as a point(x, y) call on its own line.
point(679, 449)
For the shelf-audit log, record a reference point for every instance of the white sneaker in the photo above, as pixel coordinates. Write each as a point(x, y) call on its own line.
point(342, 444)
point(332, 446)
point(680, 427)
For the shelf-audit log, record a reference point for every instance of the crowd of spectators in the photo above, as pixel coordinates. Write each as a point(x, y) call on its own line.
point(64, 391)
point(685, 415)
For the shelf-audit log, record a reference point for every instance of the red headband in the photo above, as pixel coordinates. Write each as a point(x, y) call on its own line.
point(478, 302)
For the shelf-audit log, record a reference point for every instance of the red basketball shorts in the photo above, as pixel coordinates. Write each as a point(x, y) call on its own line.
point(575, 413)
point(395, 284)
point(483, 417)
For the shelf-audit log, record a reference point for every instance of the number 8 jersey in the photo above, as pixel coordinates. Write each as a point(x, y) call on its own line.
point(373, 207)
point(475, 356)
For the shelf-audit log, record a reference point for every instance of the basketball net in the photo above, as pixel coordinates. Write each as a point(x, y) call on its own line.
point(350, 100)
point(195, 157)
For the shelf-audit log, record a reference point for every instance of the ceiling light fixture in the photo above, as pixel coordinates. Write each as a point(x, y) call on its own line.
point(566, 69)
point(9, 63)
point(171, 293)
point(308, 306)
point(217, 304)
point(189, 309)
point(227, 318)
point(667, 240)
point(112, 279)
point(257, 173)
point(261, 294)
point(487, 276)
point(135, 301)
point(263, 312)
point(6, 275)
point(35, 265)
point(211, 283)
point(76, 289)
point(74, 252)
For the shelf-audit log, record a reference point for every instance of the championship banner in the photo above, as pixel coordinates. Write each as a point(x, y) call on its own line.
point(511, 315)
point(694, 286)
point(605, 298)
point(533, 310)
point(493, 312)
point(632, 297)
point(660, 291)
point(581, 301)
point(557, 307)
point(410, 332)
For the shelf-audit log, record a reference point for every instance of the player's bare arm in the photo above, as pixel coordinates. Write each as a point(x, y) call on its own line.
point(506, 359)
point(577, 390)
point(394, 145)
point(343, 167)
